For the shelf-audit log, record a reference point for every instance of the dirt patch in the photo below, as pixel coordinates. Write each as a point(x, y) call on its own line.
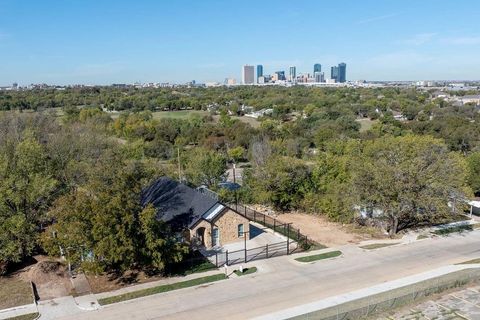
point(14, 291)
point(108, 282)
point(323, 231)
point(49, 277)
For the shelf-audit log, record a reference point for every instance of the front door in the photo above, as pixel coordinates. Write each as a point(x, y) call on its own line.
point(215, 237)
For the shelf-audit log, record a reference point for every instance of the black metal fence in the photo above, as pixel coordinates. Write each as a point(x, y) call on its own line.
point(285, 229)
point(247, 255)
point(295, 242)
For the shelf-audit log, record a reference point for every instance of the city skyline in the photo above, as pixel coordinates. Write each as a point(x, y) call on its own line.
point(123, 42)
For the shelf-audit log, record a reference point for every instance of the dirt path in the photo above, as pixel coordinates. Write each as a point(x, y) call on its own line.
point(321, 230)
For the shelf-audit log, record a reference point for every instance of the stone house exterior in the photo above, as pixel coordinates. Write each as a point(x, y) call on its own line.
point(196, 217)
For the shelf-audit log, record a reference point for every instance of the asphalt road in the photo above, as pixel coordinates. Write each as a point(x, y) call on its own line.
point(282, 283)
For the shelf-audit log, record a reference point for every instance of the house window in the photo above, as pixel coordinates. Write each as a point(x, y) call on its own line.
point(240, 230)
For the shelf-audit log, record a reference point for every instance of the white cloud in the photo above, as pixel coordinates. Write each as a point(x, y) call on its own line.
point(462, 40)
point(378, 18)
point(418, 39)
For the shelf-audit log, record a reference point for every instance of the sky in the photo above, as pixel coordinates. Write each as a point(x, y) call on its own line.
point(118, 41)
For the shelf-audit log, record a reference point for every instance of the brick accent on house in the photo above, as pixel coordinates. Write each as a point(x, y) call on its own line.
point(227, 224)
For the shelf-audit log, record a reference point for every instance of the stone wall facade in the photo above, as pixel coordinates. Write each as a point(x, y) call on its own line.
point(227, 224)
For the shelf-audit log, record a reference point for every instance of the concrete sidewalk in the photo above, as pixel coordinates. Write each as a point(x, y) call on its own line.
point(161, 282)
point(315, 308)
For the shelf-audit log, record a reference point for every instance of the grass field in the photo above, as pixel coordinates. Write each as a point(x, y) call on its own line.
point(246, 271)
point(378, 245)
point(182, 114)
point(321, 256)
point(366, 124)
point(160, 289)
point(28, 316)
point(14, 292)
point(460, 228)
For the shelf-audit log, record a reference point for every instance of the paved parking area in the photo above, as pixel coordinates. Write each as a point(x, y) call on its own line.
point(259, 237)
point(464, 304)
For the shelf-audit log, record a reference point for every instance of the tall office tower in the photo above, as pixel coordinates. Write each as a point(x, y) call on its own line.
point(334, 74)
point(248, 74)
point(319, 77)
point(342, 72)
point(259, 71)
point(317, 67)
point(292, 76)
point(280, 75)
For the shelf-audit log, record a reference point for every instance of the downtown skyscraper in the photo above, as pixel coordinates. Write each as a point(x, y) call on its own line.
point(259, 71)
point(248, 74)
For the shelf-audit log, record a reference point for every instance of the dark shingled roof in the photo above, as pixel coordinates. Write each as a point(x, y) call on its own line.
point(177, 204)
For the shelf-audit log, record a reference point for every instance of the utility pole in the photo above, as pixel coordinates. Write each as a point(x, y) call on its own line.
point(179, 167)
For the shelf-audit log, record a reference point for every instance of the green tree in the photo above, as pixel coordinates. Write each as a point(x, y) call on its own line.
point(26, 190)
point(205, 167)
point(473, 161)
point(409, 179)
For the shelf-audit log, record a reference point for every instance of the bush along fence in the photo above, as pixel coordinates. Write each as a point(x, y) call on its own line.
point(296, 241)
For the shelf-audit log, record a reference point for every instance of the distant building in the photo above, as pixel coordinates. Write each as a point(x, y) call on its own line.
point(280, 75)
point(292, 74)
point(319, 77)
point(342, 72)
point(230, 81)
point(259, 72)
point(248, 74)
point(334, 73)
point(261, 80)
point(317, 67)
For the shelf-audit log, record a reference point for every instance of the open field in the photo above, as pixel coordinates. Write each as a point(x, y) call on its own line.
point(366, 124)
point(14, 292)
point(181, 114)
point(320, 230)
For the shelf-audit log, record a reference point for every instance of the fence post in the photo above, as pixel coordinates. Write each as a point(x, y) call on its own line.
point(263, 219)
point(216, 259)
point(245, 207)
point(226, 257)
point(288, 239)
point(254, 216)
point(298, 234)
point(274, 224)
point(266, 249)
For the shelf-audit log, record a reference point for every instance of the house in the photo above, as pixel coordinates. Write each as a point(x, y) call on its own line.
point(195, 216)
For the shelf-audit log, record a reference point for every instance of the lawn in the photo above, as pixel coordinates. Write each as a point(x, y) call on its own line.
point(246, 271)
point(378, 245)
point(321, 256)
point(28, 316)
point(161, 289)
point(366, 124)
point(182, 114)
point(14, 292)
point(194, 262)
point(460, 228)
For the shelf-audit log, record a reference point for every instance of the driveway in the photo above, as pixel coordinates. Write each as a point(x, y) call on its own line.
point(256, 246)
point(282, 283)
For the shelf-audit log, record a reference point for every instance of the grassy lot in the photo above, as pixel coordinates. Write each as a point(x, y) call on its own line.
point(182, 114)
point(474, 261)
point(461, 228)
point(366, 124)
point(246, 271)
point(378, 245)
point(194, 262)
point(28, 316)
point(321, 256)
point(160, 289)
point(14, 292)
